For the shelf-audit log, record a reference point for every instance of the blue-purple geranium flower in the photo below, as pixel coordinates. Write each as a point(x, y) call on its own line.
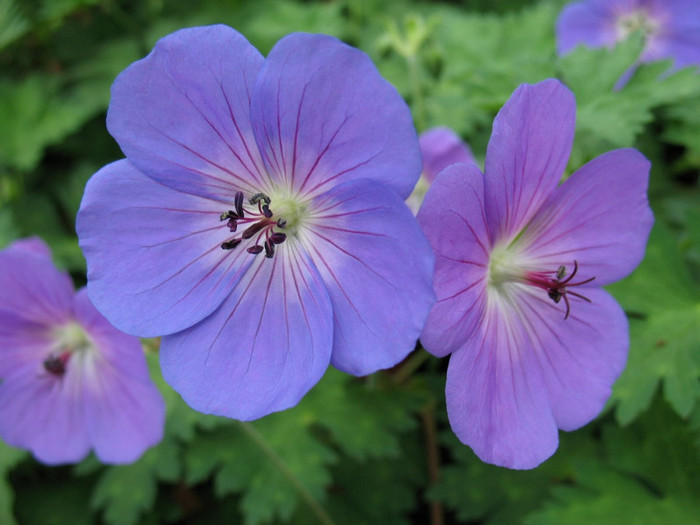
point(536, 344)
point(258, 220)
point(69, 381)
point(671, 27)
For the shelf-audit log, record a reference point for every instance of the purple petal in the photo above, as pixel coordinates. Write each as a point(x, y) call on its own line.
point(453, 219)
point(591, 23)
point(440, 148)
point(182, 116)
point(497, 401)
point(44, 413)
point(34, 296)
point(527, 154)
point(579, 357)
point(323, 115)
point(377, 267)
point(33, 245)
point(124, 411)
point(263, 349)
point(600, 217)
point(155, 263)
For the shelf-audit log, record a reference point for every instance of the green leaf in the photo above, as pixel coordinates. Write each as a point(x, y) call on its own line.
point(125, 492)
point(364, 421)
point(664, 330)
point(9, 457)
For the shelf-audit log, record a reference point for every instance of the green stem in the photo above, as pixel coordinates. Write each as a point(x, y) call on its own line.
point(416, 92)
point(303, 492)
point(410, 365)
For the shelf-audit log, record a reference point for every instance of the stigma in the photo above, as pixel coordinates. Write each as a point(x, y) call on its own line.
point(558, 285)
point(260, 223)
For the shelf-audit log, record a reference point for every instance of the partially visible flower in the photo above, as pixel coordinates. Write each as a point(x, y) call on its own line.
point(258, 222)
point(671, 27)
point(536, 344)
point(69, 381)
point(440, 147)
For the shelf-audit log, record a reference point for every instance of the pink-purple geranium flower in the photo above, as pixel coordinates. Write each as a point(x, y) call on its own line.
point(671, 27)
point(439, 147)
point(69, 381)
point(536, 344)
point(258, 221)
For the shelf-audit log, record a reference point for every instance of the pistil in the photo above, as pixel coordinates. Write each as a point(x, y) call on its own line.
point(558, 285)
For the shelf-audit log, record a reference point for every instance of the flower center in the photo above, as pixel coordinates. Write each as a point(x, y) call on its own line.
point(69, 339)
point(639, 20)
point(558, 285)
point(260, 223)
point(504, 269)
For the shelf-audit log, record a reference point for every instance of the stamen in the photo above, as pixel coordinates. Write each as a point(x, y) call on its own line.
point(56, 365)
point(558, 287)
point(259, 222)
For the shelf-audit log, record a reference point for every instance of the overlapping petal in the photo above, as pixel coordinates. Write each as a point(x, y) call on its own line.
point(155, 263)
point(263, 349)
point(124, 411)
point(182, 114)
point(442, 147)
point(44, 413)
point(496, 400)
point(527, 154)
point(323, 115)
point(377, 267)
point(600, 217)
point(453, 217)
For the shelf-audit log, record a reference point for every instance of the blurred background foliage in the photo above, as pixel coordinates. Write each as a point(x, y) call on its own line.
point(376, 450)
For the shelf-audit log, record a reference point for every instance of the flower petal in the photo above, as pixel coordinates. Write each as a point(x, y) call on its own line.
point(579, 357)
point(322, 115)
point(591, 23)
point(453, 219)
point(34, 296)
point(440, 148)
point(182, 114)
point(600, 217)
point(263, 349)
point(527, 154)
point(44, 413)
point(155, 263)
point(497, 402)
point(125, 412)
point(378, 268)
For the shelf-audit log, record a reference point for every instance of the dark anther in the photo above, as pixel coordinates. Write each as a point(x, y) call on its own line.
point(255, 249)
point(554, 295)
point(260, 197)
point(278, 238)
point(238, 203)
point(226, 215)
point(55, 365)
point(232, 225)
point(253, 229)
point(266, 211)
point(269, 249)
point(281, 223)
point(230, 245)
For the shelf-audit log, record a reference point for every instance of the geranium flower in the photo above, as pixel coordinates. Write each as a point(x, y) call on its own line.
point(440, 147)
point(536, 343)
point(671, 27)
point(70, 381)
point(258, 221)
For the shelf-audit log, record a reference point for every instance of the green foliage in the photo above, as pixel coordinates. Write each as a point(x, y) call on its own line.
point(665, 331)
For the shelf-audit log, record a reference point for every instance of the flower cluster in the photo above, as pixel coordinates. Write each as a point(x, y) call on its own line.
point(71, 382)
